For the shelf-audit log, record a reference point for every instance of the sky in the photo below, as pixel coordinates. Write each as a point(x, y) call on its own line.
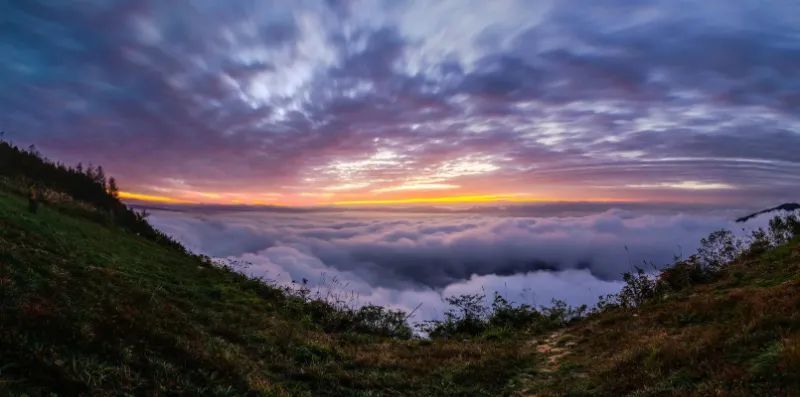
point(350, 103)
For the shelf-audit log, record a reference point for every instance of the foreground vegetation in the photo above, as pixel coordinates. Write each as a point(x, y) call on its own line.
point(91, 306)
point(94, 301)
point(724, 322)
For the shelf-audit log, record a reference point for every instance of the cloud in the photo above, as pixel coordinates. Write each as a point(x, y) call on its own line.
point(563, 98)
point(397, 258)
point(691, 185)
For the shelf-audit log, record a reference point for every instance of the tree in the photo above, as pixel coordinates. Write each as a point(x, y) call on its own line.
point(100, 176)
point(639, 288)
point(112, 187)
point(718, 249)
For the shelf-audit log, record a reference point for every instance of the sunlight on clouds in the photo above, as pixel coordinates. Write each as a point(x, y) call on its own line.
point(380, 160)
point(183, 196)
point(315, 194)
point(416, 186)
point(468, 199)
point(470, 165)
point(688, 185)
point(346, 186)
point(151, 198)
point(390, 171)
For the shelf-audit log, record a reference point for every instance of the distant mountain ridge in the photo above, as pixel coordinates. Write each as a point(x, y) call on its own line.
point(782, 207)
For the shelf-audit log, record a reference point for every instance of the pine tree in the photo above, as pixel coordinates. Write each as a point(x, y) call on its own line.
point(90, 171)
point(112, 187)
point(100, 177)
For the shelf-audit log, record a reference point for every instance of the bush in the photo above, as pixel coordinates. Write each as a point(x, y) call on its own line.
point(505, 314)
point(685, 273)
point(467, 317)
point(378, 320)
point(336, 311)
point(718, 249)
point(783, 229)
point(471, 317)
point(639, 288)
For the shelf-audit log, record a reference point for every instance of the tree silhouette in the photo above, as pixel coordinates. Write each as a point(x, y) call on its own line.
point(113, 190)
point(29, 167)
point(100, 176)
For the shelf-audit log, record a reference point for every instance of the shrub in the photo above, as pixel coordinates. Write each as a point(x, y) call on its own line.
point(378, 320)
point(685, 273)
point(467, 317)
point(471, 317)
point(505, 314)
point(783, 229)
point(639, 288)
point(718, 249)
point(559, 313)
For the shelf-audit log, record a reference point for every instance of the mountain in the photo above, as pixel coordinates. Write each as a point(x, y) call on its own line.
point(788, 207)
point(94, 303)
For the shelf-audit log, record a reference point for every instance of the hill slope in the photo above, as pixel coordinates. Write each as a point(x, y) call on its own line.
point(787, 207)
point(90, 308)
point(736, 335)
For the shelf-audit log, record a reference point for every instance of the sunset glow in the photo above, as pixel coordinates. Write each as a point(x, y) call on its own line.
point(399, 197)
point(360, 103)
point(151, 198)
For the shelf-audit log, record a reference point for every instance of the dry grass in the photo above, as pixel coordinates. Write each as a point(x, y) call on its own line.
point(737, 336)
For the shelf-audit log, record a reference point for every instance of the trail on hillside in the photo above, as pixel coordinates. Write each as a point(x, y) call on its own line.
point(553, 349)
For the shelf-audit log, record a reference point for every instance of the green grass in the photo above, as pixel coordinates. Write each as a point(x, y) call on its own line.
point(89, 309)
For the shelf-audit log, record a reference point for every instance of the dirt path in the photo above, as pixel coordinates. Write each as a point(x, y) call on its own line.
point(551, 349)
point(554, 348)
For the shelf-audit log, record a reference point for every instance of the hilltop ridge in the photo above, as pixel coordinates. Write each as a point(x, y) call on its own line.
point(786, 207)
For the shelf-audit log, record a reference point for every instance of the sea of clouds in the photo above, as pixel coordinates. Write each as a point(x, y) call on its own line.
point(402, 260)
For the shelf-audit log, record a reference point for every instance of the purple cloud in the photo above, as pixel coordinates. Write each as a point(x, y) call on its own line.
point(596, 100)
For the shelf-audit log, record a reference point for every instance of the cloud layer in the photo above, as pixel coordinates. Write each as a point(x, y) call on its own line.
point(402, 260)
point(314, 102)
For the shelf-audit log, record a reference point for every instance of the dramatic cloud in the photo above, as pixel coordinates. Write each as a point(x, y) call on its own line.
point(313, 102)
point(402, 259)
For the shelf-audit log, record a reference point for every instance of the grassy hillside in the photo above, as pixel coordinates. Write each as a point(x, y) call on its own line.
point(90, 308)
point(737, 334)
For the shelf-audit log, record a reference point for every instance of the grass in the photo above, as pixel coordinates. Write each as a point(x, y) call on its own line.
point(736, 336)
point(90, 309)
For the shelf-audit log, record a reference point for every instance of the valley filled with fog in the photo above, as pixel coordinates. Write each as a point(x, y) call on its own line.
point(403, 259)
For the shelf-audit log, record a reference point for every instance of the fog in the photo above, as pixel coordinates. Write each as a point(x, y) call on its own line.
point(402, 260)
